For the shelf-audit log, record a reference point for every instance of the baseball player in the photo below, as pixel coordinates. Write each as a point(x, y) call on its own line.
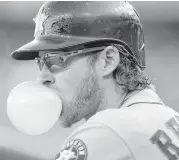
point(92, 55)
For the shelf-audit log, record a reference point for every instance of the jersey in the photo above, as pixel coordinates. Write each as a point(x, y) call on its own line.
point(142, 129)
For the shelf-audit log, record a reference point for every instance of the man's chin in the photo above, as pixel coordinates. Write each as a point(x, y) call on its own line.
point(65, 125)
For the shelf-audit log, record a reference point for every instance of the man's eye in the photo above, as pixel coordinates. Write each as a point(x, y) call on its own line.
point(58, 67)
point(62, 59)
point(55, 68)
point(56, 64)
point(55, 61)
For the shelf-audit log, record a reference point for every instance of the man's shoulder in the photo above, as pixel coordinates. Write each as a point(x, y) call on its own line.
point(117, 130)
point(121, 114)
point(94, 140)
point(127, 119)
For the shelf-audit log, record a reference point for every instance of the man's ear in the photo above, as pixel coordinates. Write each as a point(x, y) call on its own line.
point(111, 60)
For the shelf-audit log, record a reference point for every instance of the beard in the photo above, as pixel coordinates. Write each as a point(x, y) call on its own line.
point(85, 102)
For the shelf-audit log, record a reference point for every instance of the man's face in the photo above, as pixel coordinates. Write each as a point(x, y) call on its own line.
point(77, 86)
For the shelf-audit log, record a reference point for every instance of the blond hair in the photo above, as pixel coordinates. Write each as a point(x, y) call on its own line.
point(128, 73)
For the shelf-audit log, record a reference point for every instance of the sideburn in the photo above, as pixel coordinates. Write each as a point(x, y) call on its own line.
point(88, 96)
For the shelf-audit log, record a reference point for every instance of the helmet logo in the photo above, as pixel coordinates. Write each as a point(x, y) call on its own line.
point(47, 24)
point(40, 20)
point(61, 24)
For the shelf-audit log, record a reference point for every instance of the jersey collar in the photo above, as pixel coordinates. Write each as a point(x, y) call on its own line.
point(141, 96)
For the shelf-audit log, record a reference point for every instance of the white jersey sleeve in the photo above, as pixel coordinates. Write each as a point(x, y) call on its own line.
point(94, 141)
point(142, 129)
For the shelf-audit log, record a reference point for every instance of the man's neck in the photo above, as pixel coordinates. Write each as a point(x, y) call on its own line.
point(113, 97)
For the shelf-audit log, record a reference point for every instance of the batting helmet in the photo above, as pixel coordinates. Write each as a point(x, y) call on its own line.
point(63, 24)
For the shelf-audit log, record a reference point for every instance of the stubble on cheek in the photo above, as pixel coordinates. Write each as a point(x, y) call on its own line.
point(66, 116)
point(82, 100)
point(83, 104)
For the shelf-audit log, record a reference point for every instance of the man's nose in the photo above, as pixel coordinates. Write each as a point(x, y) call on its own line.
point(46, 77)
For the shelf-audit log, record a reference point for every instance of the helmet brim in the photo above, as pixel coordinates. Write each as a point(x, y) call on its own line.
point(42, 43)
